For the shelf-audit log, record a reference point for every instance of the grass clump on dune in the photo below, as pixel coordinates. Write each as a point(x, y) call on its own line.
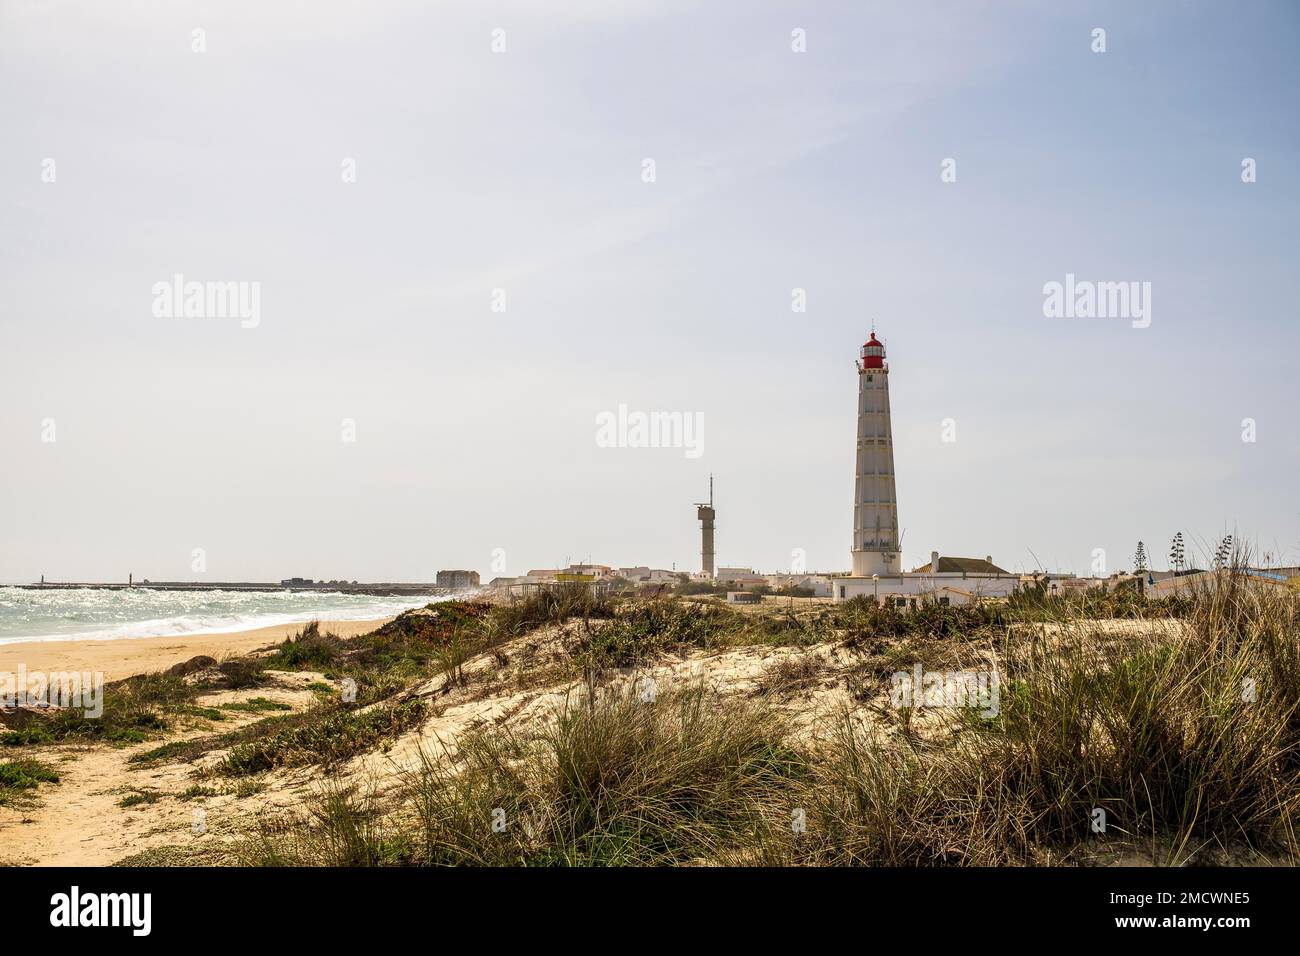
point(134, 709)
point(19, 777)
point(1188, 743)
point(138, 708)
point(257, 705)
point(612, 780)
point(641, 631)
point(553, 605)
point(137, 797)
point(307, 650)
point(862, 618)
point(324, 735)
point(644, 630)
point(1187, 739)
point(1038, 604)
point(434, 621)
point(416, 645)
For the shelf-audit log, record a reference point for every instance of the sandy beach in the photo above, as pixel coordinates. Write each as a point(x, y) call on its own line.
point(123, 657)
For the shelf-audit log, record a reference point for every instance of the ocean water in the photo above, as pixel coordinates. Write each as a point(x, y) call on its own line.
point(93, 613)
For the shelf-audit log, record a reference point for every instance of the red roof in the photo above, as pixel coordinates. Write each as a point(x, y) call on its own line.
point(876, 360)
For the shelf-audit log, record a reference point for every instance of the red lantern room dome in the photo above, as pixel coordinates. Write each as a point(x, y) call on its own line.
point(873, 353)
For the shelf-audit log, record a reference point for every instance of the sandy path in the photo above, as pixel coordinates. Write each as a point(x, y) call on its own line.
point(139, 655)
point(78, 821)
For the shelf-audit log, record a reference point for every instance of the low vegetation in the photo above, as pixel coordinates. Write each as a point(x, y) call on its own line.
point(613, 781)
point(309, 650)
point(323, 736)
point(259, 705)
point(143, 707)
point(137, 797)
point(18, 778)
point(1175, 724)
point(1172, 747)
point(133, 710)
point(553, 606)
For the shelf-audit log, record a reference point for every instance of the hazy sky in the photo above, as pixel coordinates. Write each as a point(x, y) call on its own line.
point(522, 171)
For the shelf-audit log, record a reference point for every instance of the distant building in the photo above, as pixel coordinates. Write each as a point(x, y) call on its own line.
point(1205, 582)
point(977, 578)
point(966, 565)
point(594, 571)
point(599, 576)
point(574, 572)
point(744, 597)
point(458, 579)
point(818, 584)
point(647, 575)
point(951, 595)
point(728, 575)
point(296, 582)
point(575, 577)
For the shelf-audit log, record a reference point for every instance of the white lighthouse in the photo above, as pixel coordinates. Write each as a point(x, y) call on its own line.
point(875, 499)
point(877, 573)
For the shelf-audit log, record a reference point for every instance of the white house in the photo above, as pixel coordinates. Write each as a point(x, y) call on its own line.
point(976, 578)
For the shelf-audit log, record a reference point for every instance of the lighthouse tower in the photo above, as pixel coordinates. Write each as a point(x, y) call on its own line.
point(875, 500)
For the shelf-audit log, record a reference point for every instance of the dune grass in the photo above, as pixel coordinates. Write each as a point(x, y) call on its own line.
point(134, 710)
point(18, 778)
point(308, 650)
point(1188, 743)
point(257, 705)
point(613, 780)
point(554, 605)
point(1187, 739)
point(324, 735)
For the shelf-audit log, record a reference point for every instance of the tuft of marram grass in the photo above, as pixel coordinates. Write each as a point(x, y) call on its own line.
point(613, 780)
point(553, 606)
point(324, 735)
point(1186, 742)
point(19, 777)
point(309, 649)
point(1189, 740)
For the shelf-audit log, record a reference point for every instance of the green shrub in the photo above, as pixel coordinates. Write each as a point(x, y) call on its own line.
point(611, 780)
point(256, 705)
point(240, 673)
point(325, 735)
point(19, 777)
point(307, 650)
point(137, 797)
point(553, 605)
